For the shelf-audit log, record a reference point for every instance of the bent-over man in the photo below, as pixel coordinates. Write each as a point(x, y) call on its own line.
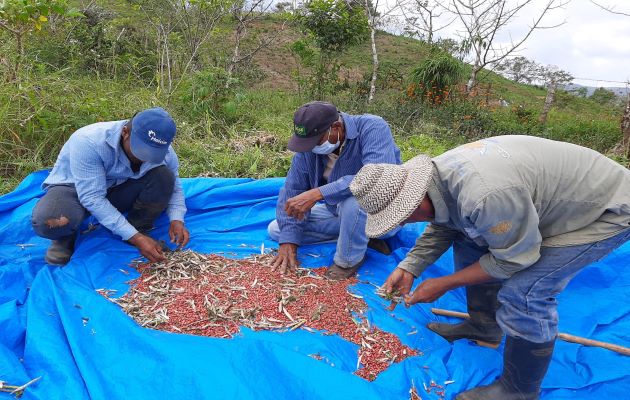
point(524, 215)
point(109, 168)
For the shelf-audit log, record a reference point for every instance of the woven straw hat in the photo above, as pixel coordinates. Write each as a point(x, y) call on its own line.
point(389, 193)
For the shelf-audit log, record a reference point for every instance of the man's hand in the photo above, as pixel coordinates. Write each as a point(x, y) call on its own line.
point(148, 247)
point(286, 260)
point(178, 234)
point(429, 290)
point(399, 281)
point(299, 205)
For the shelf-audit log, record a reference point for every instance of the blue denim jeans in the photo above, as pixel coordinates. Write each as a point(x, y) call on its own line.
point(156, 187)
point(346, 226)
point(528, 298)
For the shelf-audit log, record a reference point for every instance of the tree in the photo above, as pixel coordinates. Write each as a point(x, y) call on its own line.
point(245, 13)
point(421, 18)
point(188, 24)
point(625, 129)
point(21, 17)
point(519, 69)
point(553, 77)
point(603, 96)
point(625, 119)
point(483, 20)
point(580, 91)
point(610, 9)
point(375, 19)
point(333, 26)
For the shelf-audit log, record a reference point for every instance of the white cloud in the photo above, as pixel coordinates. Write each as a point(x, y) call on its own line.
point(592, 43)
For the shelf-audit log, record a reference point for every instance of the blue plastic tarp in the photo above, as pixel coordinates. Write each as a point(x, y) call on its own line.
point(54, 325)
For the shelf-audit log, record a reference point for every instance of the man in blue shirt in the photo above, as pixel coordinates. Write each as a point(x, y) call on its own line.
point(331, 147)
point(106, 169)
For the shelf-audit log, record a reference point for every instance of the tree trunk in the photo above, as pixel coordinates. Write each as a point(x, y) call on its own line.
point(473, 74)
point(472, 81)
point(625, 130)
point(374, 65)
point(236, 53)
point(551, 94)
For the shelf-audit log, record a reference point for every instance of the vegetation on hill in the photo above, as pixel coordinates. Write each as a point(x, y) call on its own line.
point(105, 62)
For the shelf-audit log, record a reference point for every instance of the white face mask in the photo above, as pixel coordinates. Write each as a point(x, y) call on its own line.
point(326, 147)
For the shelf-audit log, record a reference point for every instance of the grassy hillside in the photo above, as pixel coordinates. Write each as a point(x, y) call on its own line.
point(77, 74)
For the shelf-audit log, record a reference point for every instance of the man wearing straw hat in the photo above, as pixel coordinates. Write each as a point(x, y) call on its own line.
point(315, 204)
point(524, 215)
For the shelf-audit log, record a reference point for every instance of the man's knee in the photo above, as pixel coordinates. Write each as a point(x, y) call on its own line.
point(159, 185)
point(350, 206)
point(274, 230)
point(527, 314)
point(54, 221)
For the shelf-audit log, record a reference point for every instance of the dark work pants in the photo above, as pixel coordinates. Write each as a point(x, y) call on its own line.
point(59, 213)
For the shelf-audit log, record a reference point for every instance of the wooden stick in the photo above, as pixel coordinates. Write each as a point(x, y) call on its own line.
point(564, 336)
point(595, 343)
point(449, 313)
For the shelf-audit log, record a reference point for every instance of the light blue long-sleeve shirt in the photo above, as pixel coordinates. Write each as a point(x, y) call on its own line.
point(93, 160)
point(368, 140)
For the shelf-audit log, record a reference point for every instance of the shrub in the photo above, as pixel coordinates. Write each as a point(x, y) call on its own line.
point(435, 77)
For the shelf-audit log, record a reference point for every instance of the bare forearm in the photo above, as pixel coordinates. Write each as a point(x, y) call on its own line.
point(471, 275)
point(432, 289)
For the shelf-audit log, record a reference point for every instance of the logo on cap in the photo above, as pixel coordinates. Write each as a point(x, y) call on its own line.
point(299, 130)
point(154, 138)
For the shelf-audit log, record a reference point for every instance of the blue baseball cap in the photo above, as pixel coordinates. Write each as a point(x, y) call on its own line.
point(152, 132)
point(310, 122)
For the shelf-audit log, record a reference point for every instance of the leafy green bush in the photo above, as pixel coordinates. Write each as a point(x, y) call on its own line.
point(436, 76)
point(212, 92)
point(601, 135)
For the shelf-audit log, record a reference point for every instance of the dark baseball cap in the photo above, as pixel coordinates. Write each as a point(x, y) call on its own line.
point(152, 132)
point(310, 122)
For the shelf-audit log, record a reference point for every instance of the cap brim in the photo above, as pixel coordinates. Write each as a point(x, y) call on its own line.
point(408, 199)
point(145, 152)
point(301, 144)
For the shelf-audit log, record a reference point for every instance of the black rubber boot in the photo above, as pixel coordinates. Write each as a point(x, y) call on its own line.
point(524, 367)
point(60, 251)
point(142, 215)
point(482, 326)
point(379, 245)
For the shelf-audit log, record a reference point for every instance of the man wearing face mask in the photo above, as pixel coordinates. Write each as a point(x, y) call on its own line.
point(316, 205)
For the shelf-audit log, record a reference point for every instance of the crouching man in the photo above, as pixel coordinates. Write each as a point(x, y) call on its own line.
point(109, 168)
point(330, 148)
point(524, 216)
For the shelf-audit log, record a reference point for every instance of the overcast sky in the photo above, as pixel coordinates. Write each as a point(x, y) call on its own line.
point(592, 44)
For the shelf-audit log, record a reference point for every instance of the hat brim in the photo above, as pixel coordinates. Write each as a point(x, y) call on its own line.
point(146, 152)
point(303, 144)
point(408, 199)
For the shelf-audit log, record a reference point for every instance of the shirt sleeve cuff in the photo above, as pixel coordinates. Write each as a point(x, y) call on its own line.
point(334, 192)
point(127, 231)
point(176, 214)
point(489, 264)
point(294, 237)
point(415, 268)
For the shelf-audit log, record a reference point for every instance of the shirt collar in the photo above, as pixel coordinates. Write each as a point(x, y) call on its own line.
point(114, 141)
point(435, 193)
point(114, 134)
point(349, 126)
